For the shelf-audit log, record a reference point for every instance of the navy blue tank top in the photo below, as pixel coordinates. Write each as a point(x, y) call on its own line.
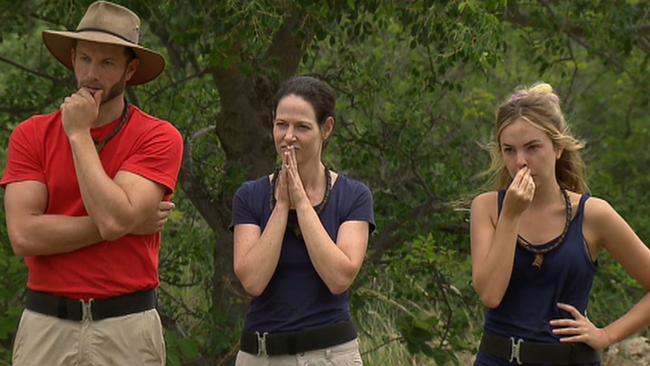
point(529, 304)
point(296, 298)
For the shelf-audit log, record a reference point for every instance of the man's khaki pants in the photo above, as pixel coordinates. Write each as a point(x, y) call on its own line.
point(345, 354)
point(134, 339)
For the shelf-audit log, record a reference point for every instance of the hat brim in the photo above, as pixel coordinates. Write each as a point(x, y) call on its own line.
point(59, 43)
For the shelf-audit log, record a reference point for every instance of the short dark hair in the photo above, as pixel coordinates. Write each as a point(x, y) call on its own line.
point(316, 92)
point(130, 54)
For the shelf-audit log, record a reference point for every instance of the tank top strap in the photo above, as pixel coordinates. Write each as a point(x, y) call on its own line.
point(581, 208)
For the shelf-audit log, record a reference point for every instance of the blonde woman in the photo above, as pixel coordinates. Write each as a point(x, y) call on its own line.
point(536, 240)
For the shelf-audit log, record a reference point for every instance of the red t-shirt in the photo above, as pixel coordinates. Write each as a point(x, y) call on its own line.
point(39, 150)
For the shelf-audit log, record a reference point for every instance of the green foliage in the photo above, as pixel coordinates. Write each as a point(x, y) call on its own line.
point(417, 86)
point(10, 310)
point(179, 350)
point(431, 298)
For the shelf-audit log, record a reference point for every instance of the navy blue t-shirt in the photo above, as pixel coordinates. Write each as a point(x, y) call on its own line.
point(566, 276)
point(296, 298)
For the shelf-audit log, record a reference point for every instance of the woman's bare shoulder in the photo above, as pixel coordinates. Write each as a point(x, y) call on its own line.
point(598, 207)
point(485, 200)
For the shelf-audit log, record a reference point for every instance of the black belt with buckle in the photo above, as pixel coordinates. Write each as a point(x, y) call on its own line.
point(291, 343)
point(70, 309)
point(524, 352)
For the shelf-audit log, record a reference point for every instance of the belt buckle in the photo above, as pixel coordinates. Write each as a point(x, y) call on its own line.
point(86, 310)
point(261, 344)
point(515, 349)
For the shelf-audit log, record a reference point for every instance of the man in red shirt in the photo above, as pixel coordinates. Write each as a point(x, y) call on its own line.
point(83, 188)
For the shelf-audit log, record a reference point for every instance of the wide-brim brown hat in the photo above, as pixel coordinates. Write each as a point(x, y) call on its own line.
point(105, 22)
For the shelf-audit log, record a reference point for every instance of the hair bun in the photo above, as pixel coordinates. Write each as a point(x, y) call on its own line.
point(538, 89)
point(541, 88)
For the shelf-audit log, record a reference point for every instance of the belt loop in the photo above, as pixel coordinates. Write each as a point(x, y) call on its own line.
point(261, 344)
point(86, 310)
point(515, 349)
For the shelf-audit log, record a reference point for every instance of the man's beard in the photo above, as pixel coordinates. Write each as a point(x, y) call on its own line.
point(116, 90)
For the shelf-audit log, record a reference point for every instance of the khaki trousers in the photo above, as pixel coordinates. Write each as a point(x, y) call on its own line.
point(134, 339)
point(345, 354)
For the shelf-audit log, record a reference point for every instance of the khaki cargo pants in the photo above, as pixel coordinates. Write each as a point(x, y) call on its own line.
point(345, 354)
point(134, 339)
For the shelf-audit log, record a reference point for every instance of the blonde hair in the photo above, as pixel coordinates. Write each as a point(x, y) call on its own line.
point(540, 106)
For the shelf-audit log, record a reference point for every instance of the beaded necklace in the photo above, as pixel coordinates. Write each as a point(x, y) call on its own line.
point(555, 243)
point(100, 144)
point(293, 226)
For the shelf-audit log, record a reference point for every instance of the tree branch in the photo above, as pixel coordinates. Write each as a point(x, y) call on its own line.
point(17, 111)
point(178, 301)
point(195, 190)
point(392, 235)
point(515, 16)
point(30, 71)
point(202, 132)
point(288, 44)
point(386, 343)
point(176, 83)
point(155, 22)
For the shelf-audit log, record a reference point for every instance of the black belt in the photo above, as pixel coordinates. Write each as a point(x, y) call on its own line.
point(291, 343)
point(77, 310)
point(523, 352)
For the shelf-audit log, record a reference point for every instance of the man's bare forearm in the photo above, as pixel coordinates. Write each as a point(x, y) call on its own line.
point(106, 202)
point(51, 234)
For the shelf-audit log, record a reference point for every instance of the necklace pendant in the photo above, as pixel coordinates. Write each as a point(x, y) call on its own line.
point(296, 231)
point(539, 259)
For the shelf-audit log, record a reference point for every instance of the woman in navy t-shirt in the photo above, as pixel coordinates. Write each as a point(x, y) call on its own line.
point(536, 240)
point(300, 237)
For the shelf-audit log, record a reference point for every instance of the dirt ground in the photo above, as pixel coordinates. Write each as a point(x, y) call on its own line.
point(631, 352)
